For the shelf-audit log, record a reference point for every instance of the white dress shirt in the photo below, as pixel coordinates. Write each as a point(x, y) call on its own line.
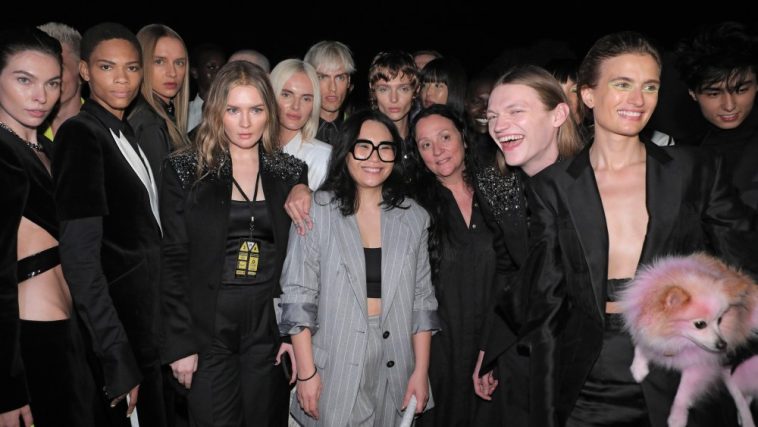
point(195, 113)
point(315, 154)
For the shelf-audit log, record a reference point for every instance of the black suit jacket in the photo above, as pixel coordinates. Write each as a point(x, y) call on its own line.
point(152, 134)
point(15, 187)
point(116, 296)
point(195, 215)
point(504, 205)
point(691, 207)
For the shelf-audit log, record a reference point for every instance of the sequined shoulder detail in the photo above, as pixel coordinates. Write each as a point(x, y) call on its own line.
point(284, 166)
point(503, 193)
point(185, 166)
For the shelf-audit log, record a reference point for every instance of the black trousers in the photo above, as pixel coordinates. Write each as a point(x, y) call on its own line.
point(61, 387)
point(237, 383)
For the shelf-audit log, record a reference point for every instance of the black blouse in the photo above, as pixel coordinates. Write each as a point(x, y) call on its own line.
point(40, 205)
point(239, 234)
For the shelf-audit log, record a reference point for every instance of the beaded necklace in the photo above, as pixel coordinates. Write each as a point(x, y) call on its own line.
point(33, 145)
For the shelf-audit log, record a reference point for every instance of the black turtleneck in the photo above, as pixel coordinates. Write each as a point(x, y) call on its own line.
point(739, 147)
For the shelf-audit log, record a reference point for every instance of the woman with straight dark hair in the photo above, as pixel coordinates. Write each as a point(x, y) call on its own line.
point(443, 81)
point(358, 300)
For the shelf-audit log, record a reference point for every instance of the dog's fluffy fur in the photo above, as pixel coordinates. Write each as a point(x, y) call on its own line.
point(688, 313)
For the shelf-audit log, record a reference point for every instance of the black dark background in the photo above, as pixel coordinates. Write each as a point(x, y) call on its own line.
point(476, 32)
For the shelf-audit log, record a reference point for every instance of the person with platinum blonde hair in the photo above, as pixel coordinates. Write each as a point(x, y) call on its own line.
point(298, 97)
point(334, 65)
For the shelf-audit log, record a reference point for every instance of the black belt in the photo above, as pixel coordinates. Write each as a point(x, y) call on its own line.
point(37, 264)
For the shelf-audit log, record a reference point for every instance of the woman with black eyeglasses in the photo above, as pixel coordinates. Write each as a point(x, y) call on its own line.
point(361, 280)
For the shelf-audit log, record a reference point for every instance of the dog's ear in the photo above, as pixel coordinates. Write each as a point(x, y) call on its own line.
point(675, 297)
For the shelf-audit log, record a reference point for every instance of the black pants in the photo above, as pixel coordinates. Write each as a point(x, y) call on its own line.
point(236, 383)
point(61, 387)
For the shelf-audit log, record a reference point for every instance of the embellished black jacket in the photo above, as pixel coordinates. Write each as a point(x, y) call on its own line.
point(195, 214)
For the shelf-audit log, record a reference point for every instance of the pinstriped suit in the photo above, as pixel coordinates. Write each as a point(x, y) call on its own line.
point(324, 285)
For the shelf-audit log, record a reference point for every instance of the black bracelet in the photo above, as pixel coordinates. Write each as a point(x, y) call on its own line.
point(306, 379)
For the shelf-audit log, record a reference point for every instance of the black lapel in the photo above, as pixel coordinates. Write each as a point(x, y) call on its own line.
point(588, 217)
point(663, 189)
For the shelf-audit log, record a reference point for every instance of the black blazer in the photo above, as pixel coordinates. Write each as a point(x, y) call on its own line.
point(691, 207)
point(15, 188)
point(117, 298)
point(195, 215)
point(152, 134)
point(504, 204)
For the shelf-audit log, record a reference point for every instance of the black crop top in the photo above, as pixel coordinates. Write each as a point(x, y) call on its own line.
point(373, 272)
point(40, 205)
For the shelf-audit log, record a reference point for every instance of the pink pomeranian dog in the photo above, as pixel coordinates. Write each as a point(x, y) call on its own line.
point(688, 313)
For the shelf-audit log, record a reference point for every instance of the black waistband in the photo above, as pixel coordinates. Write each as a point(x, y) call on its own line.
point(614, 287)
point(37, 264)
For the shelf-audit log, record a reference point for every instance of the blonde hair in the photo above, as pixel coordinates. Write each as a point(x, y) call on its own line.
point(211, 142)
point(283, 72)
point(551, 95)
point(330, 55)
point(148, 38)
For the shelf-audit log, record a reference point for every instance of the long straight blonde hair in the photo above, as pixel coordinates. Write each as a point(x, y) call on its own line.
point(148, 37)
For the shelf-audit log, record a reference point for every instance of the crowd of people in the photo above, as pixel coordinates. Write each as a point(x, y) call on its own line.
point(191, 240)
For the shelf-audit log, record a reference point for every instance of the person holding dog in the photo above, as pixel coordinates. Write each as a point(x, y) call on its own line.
point(620, 203)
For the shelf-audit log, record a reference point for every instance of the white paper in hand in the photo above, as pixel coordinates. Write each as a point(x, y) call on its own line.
point(133, 419)
point(410, 412)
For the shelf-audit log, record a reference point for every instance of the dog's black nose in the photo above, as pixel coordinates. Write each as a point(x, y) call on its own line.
point(721, 344)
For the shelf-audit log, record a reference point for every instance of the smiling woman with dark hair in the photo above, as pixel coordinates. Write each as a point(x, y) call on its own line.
point(469, 263)
point(358, 300)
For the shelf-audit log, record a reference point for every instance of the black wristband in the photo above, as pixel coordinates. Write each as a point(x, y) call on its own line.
point(315, 371)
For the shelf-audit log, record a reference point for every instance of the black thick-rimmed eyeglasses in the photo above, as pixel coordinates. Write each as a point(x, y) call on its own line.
point(363, 149)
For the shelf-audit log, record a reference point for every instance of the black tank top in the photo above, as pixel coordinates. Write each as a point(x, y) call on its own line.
point(373, 272)
point(239, 233)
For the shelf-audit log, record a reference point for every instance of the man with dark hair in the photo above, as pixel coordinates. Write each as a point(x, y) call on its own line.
point(718, 65)
point(205, 61)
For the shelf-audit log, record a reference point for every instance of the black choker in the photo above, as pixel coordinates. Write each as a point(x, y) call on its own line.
point(33, 145)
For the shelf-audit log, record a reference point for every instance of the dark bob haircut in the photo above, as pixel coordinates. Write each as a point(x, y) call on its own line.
point(451, 73)
point(341, 183)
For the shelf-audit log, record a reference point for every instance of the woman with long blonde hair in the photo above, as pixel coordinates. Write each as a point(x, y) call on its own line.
point(218, 283)
point(159, 116)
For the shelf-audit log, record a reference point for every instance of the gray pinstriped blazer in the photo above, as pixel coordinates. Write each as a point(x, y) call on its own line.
point(324, 285)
